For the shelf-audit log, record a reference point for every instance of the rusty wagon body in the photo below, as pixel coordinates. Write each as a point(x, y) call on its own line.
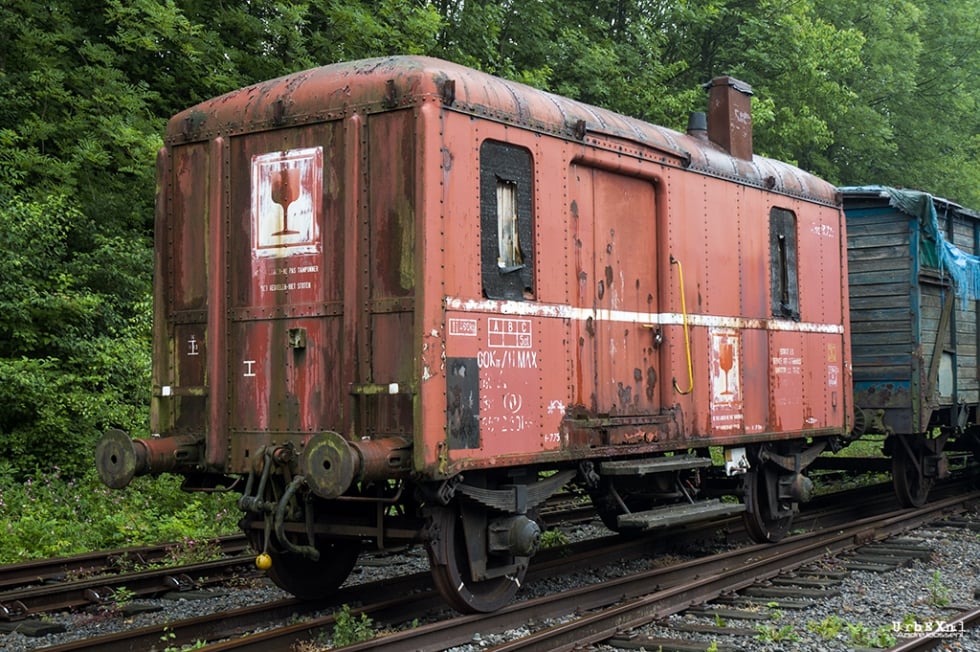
point(402, 300)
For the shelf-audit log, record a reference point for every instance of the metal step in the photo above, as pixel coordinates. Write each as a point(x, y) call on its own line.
point(646, 465)
point(678, 514)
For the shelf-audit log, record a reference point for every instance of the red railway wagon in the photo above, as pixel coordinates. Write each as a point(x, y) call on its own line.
point(399, 300)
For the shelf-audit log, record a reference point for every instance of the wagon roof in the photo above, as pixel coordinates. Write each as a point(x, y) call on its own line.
point(337, 90)
point(935, 249)
point(907, 200)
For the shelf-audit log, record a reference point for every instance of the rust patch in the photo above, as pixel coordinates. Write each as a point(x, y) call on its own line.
point(651, 382)
point(625, 393)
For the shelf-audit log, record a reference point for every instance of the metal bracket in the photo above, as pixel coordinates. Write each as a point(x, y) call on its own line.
point(14, 610)
point(99, 595)
point(180, 582)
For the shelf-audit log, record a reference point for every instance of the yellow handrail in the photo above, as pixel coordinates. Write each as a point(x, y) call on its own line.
point(687, 333)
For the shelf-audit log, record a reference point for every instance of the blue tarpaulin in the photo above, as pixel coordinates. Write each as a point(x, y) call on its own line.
point(935, 250)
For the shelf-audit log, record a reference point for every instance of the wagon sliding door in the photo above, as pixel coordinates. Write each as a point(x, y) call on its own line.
point(615, 226)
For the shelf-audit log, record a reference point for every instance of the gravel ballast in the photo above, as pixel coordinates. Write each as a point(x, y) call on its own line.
point(869, 604)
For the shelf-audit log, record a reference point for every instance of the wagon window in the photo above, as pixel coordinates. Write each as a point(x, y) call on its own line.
point(506, 221)
point(508, 235)
point(783, 264)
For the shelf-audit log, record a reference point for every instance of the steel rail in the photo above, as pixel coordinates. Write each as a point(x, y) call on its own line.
point(623, 603)
point(100, 590)
point(60, 569)
point(45, 586)
point(773, 560)
point(419, 601)
point(630, 602)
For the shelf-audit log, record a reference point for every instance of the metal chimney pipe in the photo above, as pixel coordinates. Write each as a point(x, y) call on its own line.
point(730, 116)
point(697, 125)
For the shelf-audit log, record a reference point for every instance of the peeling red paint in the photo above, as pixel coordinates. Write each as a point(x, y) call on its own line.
point(321, 271)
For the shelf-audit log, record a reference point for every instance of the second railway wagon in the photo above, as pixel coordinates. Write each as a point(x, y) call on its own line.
point(399, 300)
point(914, 277)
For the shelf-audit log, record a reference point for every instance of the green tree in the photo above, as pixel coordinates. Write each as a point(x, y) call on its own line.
point(73, 336)
point(856, 92)
point(72, 122)
point(937, 125)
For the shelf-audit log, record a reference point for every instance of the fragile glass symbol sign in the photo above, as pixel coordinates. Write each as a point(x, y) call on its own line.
point(287, 190)
point(725, 363)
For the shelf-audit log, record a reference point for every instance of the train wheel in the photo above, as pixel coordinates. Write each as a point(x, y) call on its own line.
point(908, 474)
point(450, 566)
point(313, 580)
point(766, 518)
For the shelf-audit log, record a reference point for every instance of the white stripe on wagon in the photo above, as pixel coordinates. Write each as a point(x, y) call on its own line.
point(564, 311)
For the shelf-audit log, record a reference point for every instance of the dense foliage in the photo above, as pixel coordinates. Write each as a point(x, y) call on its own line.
point(856, 92)
point(41, 515)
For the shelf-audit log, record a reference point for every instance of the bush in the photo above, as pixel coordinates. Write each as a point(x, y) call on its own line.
point(74, 345)
point(49, 515)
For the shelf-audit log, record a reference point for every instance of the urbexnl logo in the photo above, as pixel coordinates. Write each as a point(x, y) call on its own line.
point(928, 629)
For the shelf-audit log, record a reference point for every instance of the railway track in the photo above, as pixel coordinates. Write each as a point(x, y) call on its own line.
point(49, 585)
point(62, 569)
point(420, 602)
point(841, 602)
point(46, 586)
point(605, 610)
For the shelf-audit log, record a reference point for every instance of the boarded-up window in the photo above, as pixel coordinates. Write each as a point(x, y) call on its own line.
point(783, 265)
point(506, 221)
point(510, 257)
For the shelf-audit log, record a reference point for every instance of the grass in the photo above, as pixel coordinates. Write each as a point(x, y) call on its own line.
point(349, 629)
point(48, 515)
point(939, 593)
point(867, 446)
